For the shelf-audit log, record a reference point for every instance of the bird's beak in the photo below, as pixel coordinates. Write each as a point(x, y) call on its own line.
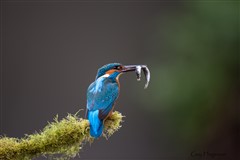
point(129, 68)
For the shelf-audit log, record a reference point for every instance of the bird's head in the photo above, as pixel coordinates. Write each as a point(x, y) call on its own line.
point(114, 69)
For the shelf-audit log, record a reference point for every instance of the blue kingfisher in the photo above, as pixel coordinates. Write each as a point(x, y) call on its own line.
point(103, 93)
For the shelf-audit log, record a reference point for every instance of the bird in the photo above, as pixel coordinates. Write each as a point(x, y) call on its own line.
point(102, 95)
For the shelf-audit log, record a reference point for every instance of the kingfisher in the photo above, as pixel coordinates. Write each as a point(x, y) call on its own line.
point(102, 95)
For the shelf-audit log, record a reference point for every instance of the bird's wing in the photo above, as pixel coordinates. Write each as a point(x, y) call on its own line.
point(102, 97)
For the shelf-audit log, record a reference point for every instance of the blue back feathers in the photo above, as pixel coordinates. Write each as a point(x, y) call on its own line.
point(101, 96)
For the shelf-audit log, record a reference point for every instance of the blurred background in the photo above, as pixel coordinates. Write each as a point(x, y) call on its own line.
point(51, 50)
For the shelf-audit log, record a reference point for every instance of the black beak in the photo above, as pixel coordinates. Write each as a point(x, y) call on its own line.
point(129, 68)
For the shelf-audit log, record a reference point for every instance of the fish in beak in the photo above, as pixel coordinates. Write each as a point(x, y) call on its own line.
point(138, 69)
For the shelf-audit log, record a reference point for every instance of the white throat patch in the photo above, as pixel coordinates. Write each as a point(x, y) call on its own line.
point(105, 75)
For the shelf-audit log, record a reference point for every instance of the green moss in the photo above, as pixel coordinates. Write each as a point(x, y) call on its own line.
point(61, 138)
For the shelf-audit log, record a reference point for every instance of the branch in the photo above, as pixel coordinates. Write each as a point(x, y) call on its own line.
point(63, 138)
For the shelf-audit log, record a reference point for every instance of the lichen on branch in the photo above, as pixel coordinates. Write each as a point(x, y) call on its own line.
point(63, 138)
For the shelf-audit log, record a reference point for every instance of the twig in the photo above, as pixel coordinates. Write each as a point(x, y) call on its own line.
point(61, 138)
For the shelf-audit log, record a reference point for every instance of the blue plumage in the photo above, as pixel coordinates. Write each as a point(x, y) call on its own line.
point(101, 96)
point(96, 125)
point(105, 68)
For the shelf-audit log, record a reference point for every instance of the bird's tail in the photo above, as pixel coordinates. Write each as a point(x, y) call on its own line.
point(96, 125)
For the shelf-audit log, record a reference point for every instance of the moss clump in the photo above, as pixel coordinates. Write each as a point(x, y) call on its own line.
point(62, 138)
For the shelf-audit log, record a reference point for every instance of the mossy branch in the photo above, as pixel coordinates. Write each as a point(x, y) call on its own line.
point(62, 138)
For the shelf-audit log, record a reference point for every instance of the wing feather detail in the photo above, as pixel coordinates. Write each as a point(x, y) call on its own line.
point(102, 95)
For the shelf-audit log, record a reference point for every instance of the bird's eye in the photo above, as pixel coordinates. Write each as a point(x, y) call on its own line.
point(118, 67)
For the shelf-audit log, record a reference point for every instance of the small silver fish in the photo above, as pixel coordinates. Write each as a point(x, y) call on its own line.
point(146, 73)
point(138, 72)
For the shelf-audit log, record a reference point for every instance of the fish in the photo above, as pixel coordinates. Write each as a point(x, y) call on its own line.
point(146, 72)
